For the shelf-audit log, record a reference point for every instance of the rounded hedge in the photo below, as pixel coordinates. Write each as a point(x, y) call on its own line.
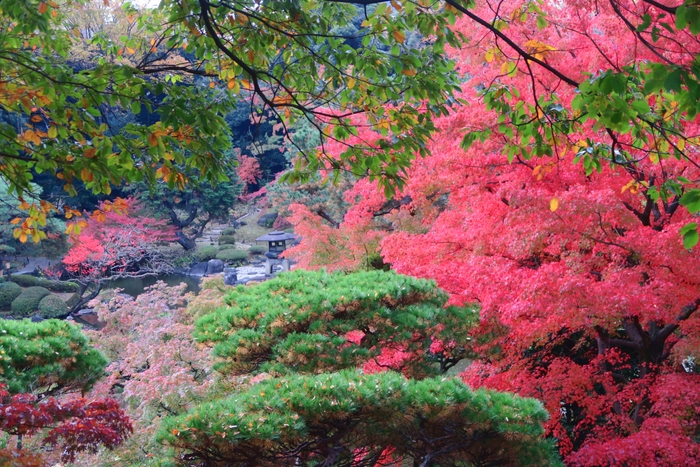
point(228, 231)
point(232, 256)
point(206, 253)
point(52, 306)
point(257, 250)
point(227, 239)
point(8, 292)
point(28, 301)
point(59, 286)
point(227, 246)
point(26, 280)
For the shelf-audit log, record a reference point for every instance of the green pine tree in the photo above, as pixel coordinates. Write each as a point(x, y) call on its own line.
point(311, 332)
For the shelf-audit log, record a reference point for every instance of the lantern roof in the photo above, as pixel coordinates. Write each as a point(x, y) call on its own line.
point(276, 236)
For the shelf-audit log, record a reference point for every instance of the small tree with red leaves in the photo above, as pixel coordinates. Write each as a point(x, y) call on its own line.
point(37, 361)
point(73, 426)
point(113, 244)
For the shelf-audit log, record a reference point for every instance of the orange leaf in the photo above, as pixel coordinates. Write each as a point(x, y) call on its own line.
point(90, 153)
point(42, 9)
point(86, 175)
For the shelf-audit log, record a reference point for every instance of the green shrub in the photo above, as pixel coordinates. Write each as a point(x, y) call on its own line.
point(227, 239)
point(59, 353)
point(228, 231)
point(52, 306)
point(59, 286)
point(8, 292)
point(206, 253)
point(232, 256)
point(257, 250)
point(25, 280)
point(227, 246)
point(28, 301)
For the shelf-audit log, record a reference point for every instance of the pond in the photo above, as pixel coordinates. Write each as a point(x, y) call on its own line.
point(136, 286)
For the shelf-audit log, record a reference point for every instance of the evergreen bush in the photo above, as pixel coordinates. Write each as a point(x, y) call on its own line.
point(205, 253)
point(257, 250)
point(26, 280)
point(227, 247)
point(232, 256)
point(227, 239)
point(228, 231)
point(59, 352)
point(28, 301)
point(52, 306)
point(8, 292)
point(306, 333)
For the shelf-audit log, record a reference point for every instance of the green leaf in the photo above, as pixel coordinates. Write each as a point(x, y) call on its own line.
point(690, 234)
point(691, 200)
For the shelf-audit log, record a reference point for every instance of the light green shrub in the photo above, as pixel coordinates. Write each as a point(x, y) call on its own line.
point(257, 250)
point(232, 256)
point(52, 306)
point(28, 301)
point(8, 292)
point(206, 253)
point(227, 239)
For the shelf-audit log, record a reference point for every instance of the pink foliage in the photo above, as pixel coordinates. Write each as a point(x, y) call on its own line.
point(588, 297)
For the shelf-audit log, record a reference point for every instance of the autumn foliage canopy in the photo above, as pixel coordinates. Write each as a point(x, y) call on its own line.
point(566, 213)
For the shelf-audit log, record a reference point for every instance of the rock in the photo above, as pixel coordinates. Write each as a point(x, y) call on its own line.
point(230, 276)
point(215, 266)
point(266, 220)
point(199, 269)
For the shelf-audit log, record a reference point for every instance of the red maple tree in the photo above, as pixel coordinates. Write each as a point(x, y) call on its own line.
point(74, 426)
point(589, 298)
point(116, 243)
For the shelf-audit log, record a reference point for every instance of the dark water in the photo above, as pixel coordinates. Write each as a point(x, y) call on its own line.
point(136, 286)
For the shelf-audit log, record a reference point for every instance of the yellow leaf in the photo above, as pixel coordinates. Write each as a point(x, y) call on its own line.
point(22, 237)
point(351, 83)
point(630, 186)
point(399, 36)
point(554, 204)
point(130, 50)
point(681, 144)
point(53, 131)
point(490, 55)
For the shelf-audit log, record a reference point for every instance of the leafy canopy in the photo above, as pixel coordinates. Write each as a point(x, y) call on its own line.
point(311, 330)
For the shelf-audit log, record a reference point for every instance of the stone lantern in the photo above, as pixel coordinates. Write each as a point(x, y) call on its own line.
point(277, 242)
